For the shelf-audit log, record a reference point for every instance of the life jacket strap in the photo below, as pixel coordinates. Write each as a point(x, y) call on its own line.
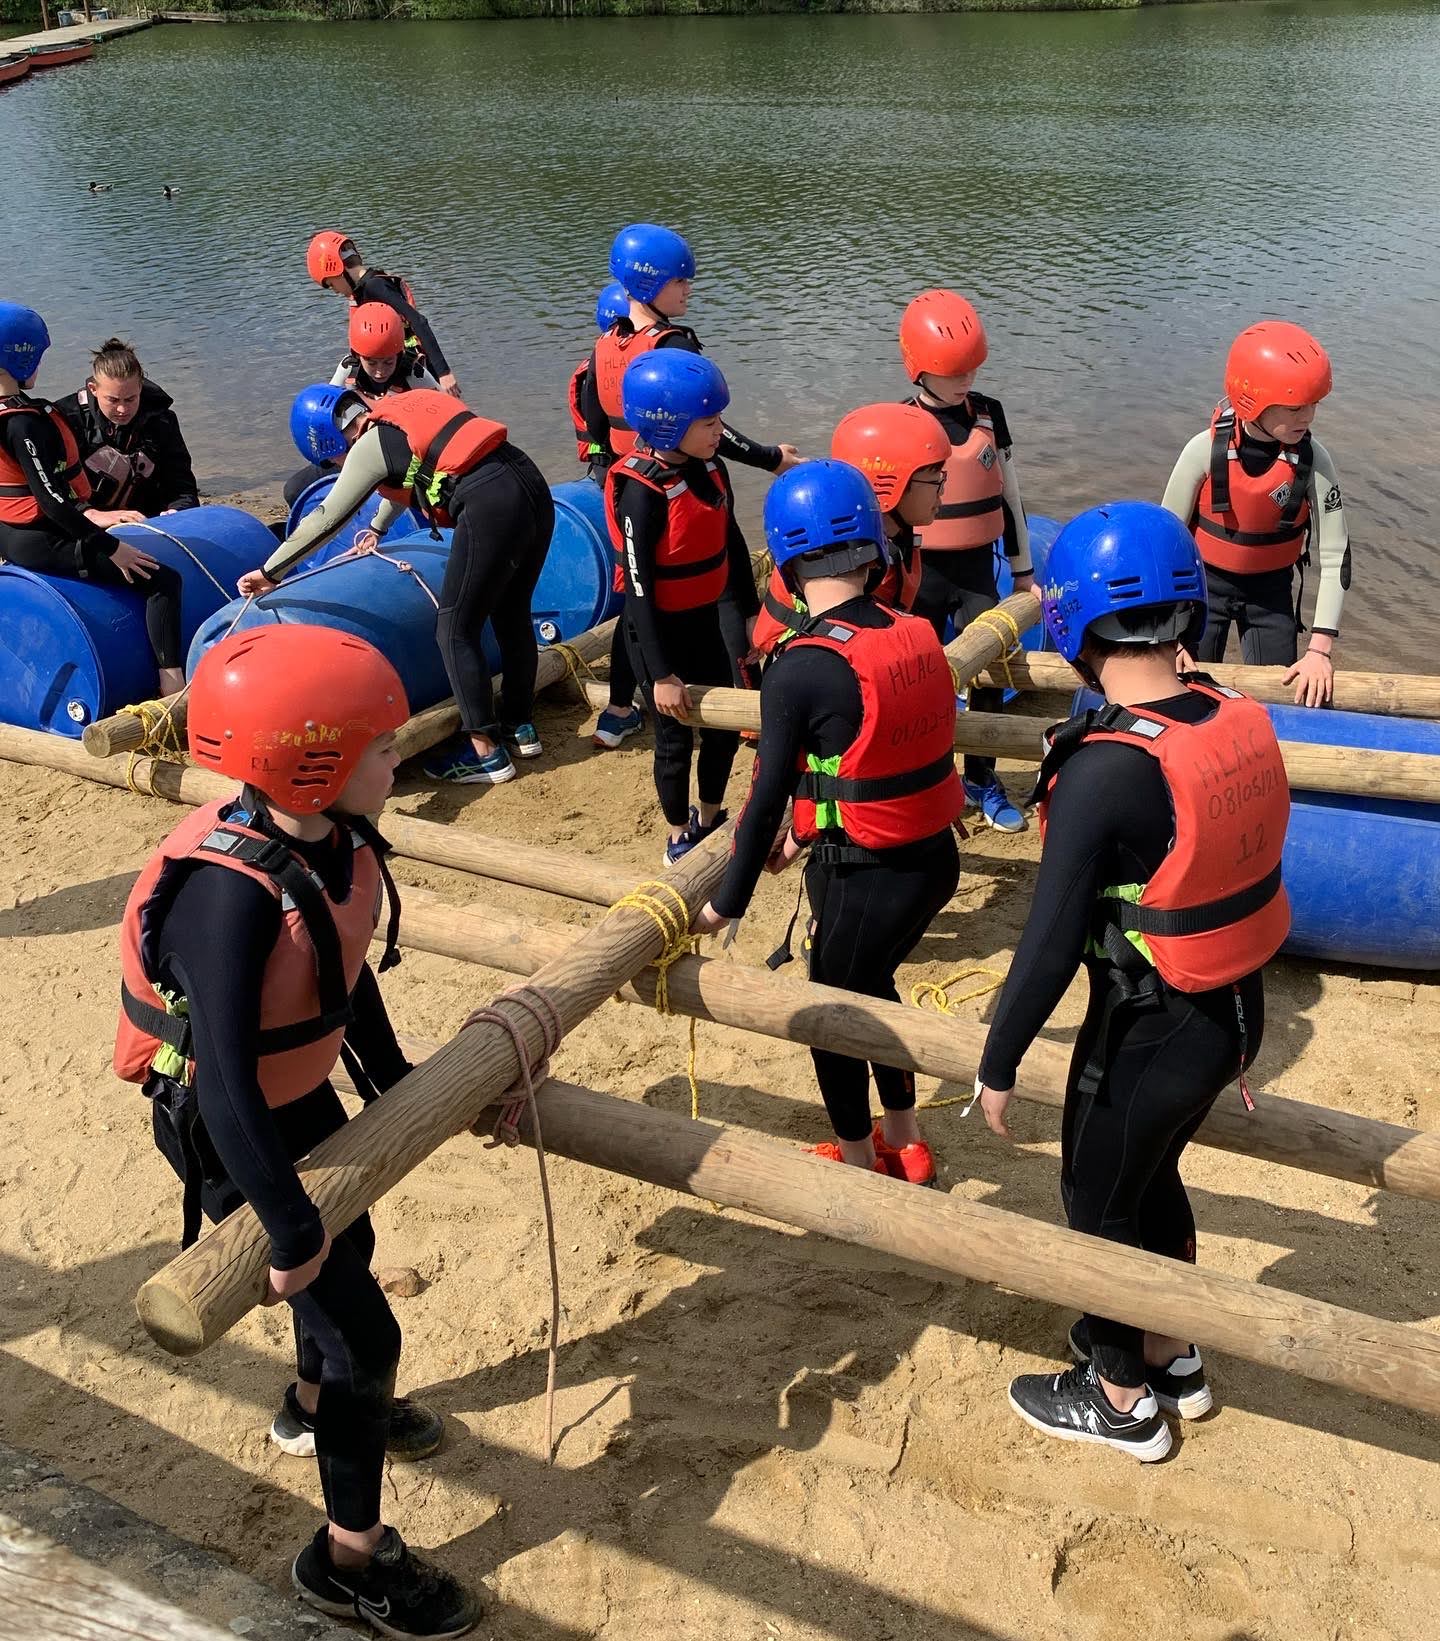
point(1202, 919)
point(823, 788)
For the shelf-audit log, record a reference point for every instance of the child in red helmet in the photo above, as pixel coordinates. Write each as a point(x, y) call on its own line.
point(243, 953)
point(334, 262)
point(1259, 494)
point(378, 361)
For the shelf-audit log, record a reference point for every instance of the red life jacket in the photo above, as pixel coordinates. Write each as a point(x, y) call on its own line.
point(971, 514)
point(446, 442)
point(692, 558)
point(896, 783)
point(618, 348)
point(17, 503)
point(1216, 910)
point(586, 450)
point(777, 621)
point(1247, 525)
point(305, 991)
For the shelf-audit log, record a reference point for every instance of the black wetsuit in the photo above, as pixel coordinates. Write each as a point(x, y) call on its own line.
point(1164, 1059)
point(346, 1338)
point(687, 644)
point(866, 918)
point(63, 542)
point(374, 285)
point(143, 464)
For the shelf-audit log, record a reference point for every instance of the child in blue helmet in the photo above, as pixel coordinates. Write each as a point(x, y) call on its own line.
point(656, 269)
point(1163, 818)
point(858, 727)
point(45, 524)
point(672, 521)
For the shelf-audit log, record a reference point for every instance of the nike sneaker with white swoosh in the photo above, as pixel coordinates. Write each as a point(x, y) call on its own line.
point(397, 1592)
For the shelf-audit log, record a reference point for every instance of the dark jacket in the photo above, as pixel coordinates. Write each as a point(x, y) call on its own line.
point(144, 464)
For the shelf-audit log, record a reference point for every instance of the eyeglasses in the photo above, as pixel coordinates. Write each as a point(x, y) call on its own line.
point(937, 484)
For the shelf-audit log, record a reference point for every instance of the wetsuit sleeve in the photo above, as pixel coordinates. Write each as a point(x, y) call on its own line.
point(368, 464)
point(1183, 490)
point(793, 695)
point(740, 589)
point(371, 1035)
point(222, 978)
point(175, 471)
point(388, 289)
point(1331, 541)
point(1082, 837)
point(35, 446)
point(734, 445)
point(1016, 538)
point(341, 377)
point(642, 513)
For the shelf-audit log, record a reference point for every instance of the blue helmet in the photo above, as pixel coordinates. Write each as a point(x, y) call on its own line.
point(663, 391)
point(23, 340)
point(1116, 560)
point(646, 257)
point(825, 507)
point(319, 413)
point(613, 303)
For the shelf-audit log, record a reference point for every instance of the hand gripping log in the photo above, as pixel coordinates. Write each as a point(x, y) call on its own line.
point(207, 1289)
point(127, 732)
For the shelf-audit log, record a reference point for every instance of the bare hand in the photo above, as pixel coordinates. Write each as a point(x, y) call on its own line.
point(103, 520)
point(784, 852)
point(673, 699)
point(286, 1284)
point(133, 561)
point(366, 541)
point(993, 1102)
point(255, 582)
point(789, 457)
point(1313, 676)
point(1025, 583)
point(449, 385)
point(1184, 661)
point(708, 920)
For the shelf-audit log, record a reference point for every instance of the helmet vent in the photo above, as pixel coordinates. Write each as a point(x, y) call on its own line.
point(1124, 588)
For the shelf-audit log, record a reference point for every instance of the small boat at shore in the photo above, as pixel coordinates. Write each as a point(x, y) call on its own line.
point(57, 56)
point(14, 66)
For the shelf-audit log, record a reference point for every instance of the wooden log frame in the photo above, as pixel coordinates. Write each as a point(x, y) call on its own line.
point(1409, 776)
point(1394, 694)
point(208, 1288)
point(124, 731)
point(1341, 1144)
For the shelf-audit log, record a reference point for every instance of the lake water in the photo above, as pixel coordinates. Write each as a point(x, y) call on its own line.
point(1119, 192)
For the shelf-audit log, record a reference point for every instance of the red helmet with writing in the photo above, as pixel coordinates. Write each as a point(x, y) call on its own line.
point(1275, 363)
point(890, 443)
point(290, 709)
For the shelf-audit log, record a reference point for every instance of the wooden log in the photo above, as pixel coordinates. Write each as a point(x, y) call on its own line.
point(1340, 1144)
point(956, 1240)
point(1413, 777)
point(49, 1594)
point(124, 732)
point(1395, 694)
point(207, 1289)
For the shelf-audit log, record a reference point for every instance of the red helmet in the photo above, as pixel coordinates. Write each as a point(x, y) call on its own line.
point(1275, 363)
point(941, 335)
point(328, 254)
point(376, 331)
point(889, 443)
point(290, 709)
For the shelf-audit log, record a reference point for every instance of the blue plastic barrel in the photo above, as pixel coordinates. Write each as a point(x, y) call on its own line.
point(1043, 532)
point(344, 539)
point(366, 596)
point(1363, 874)
point(72, 652)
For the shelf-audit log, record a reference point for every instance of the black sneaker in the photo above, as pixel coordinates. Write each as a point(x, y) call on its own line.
point(1072, 1406)
point(397, 1593)
point(415, 1431)
point(1179, 1388)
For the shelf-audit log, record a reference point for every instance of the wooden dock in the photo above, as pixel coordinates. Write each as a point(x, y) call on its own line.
point(96, 29)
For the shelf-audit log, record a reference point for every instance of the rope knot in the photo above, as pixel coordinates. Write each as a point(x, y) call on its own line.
point(673, 922)
point(521, 1093)
point(1007, 630)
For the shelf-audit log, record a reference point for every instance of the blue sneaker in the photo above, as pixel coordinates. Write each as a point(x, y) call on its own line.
point(463, 766)
point(615, 728)
point(995, 806)
point(694, 833)
point(527, 740)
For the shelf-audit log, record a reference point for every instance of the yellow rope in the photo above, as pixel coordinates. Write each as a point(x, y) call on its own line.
point(941, 1002)
point(673, 923)
point(574, 661)
point(997, 620)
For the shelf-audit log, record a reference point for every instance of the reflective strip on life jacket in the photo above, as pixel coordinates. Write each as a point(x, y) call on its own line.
point(692, 556)
point(896, 783)
point(1247, 523)
point(1215, 910)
